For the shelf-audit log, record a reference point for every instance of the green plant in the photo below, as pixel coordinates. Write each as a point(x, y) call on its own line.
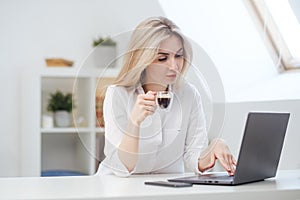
point(59, 101)
point(104, 42)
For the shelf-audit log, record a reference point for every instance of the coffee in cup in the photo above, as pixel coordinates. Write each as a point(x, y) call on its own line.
point(163, 99)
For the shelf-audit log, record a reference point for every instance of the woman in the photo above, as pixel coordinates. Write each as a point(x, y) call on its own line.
point(139, 137)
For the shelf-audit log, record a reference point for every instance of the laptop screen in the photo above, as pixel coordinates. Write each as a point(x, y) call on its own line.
point(261, 146)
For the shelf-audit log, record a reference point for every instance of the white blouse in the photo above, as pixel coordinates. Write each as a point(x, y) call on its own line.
point(167, 139)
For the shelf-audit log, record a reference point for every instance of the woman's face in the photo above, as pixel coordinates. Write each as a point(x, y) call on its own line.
point(168, 63)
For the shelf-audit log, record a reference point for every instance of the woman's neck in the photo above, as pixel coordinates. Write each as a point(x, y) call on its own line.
point(154, 87)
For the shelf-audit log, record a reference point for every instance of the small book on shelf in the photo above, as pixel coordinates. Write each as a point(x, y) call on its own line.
point(58, 62)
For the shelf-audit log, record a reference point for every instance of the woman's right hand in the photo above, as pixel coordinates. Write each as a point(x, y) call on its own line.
point(145, 105)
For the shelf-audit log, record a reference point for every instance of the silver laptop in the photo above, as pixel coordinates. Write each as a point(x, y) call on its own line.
point(259, 153)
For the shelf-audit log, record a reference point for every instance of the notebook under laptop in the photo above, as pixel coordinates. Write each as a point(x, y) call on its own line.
point(259, 153)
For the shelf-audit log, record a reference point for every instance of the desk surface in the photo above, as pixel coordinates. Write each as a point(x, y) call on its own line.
point(286, 185)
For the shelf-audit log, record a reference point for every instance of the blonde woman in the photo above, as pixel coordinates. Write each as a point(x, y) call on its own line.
point(139, 136)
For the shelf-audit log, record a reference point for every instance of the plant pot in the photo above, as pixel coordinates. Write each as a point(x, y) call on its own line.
point(105, 56)
point(62, 118)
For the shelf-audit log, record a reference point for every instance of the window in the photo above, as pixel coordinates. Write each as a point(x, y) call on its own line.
point(280, 30)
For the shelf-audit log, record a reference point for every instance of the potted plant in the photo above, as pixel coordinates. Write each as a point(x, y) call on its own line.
point(104, 42)
point(61, 105)
point(104, 52)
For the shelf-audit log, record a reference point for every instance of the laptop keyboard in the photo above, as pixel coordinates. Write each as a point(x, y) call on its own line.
point(215, 177)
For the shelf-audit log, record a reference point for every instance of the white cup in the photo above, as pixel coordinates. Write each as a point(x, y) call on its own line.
point(47, 121)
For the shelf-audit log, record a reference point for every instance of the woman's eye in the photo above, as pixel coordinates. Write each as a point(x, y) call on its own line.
point(178, 56)
point(162, 59)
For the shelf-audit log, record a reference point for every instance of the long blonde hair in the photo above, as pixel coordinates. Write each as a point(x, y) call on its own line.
point(143, 48)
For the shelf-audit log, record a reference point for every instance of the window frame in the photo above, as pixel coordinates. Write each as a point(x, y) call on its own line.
point(278, 49)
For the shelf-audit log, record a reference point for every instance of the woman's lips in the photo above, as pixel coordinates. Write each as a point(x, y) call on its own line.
point(172, 76)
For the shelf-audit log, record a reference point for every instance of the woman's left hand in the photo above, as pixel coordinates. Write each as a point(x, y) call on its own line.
point(217, 150)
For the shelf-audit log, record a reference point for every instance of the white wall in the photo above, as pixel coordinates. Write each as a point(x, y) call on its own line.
point(225, 30)
point(32, 30)
point(235, 118)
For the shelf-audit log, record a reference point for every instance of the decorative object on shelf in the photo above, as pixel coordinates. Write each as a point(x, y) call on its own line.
point(102, 84)
point(61, 173)
point(80, 122)
point(104, 42)
point(104, 52)
point(58, 62)
point(62, 118)
point(47, 121)
point(61, 105)
point(99, 111)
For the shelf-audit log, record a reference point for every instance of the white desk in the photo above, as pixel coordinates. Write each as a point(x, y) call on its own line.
point(285, 186)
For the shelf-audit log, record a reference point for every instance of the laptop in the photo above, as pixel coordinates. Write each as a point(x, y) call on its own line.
point(259, 153)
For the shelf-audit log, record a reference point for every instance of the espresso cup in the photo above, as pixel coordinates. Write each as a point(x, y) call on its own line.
point(163, 99)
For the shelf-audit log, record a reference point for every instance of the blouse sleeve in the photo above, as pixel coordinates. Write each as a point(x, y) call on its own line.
point(196, 139)
point(115, 116)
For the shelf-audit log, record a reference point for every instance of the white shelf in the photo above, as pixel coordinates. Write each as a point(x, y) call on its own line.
point(65, 130)
point(100, 130)
point(71, 72)
point(58, 72)
point(73, 148)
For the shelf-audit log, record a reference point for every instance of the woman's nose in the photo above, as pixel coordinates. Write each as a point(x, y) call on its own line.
point(173, 64)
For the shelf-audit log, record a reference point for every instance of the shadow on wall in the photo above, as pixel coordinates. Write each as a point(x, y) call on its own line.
point(235, 119)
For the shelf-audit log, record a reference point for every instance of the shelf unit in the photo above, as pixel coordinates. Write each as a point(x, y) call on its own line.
point(74, 148)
